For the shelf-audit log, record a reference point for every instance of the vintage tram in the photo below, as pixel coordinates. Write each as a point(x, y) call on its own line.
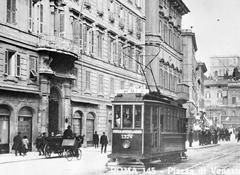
point(146, 128)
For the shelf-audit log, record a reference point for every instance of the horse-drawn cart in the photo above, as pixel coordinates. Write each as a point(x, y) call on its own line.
point(68, 148)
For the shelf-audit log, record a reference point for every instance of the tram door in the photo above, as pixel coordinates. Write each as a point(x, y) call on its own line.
point(155, 130)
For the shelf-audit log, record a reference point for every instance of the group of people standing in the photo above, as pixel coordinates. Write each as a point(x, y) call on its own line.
point(209, 136)
point(20, 144)
point(103, 141)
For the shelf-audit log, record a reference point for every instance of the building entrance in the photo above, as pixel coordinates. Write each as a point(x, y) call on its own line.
point(4, 130)
point(54, 114)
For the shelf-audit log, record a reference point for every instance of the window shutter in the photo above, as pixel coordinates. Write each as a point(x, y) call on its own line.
point(62, 24)
point(14, 9)
point(91, 41)
point(8, 11)
point(84, 38)
point(80, 34)
point(6, 71)
point(18, 65)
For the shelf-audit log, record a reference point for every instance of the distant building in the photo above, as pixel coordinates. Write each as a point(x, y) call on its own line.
point(222, 65)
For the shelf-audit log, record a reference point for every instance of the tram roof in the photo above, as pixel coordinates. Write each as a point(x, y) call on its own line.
point(138, 97)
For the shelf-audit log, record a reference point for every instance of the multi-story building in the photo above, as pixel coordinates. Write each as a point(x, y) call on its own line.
point(62, 61)
point(190, 74)
point(222, 65)
point(164, 53)
point(201, 69)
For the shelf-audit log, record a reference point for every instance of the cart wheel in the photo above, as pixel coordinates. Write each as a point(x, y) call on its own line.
point(68, 155)
point(47, 151)
point(79, 154)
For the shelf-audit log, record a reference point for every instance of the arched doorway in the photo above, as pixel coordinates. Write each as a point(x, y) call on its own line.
point(90, 128)
point(25, 123)
point(4, 129)
point(77, 123)
point(54, 111)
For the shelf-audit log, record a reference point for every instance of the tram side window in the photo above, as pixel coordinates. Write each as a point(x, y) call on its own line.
point(138, 116)
point(117, 116)
point(127, 116)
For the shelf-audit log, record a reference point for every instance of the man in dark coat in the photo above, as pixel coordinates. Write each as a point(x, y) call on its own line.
point(95, 139)
point(103, 142)
point(17, 144)
point(68, 133)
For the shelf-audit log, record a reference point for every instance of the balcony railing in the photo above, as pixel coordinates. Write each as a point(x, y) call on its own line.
point(59, 44)
point(182, 92)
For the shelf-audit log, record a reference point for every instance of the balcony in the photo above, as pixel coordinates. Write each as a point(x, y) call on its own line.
point(58, 44)
point(182, 93)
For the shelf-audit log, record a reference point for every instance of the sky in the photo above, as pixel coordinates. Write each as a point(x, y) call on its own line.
point(216, 24)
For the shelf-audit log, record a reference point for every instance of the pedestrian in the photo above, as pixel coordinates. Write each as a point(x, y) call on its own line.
point(38, 143)
point(103, 142)
point(95, 139)
point(25, 142)
point(68, 134)
point(238, 136)
point(190, 137)
point(43, 142)
point(17, 144)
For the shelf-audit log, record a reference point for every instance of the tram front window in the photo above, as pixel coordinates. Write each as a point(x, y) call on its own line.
point(117, 116)
point(127, 116)
point(138, 116)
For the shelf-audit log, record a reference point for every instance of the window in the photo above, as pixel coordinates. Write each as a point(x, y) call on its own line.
point(11, 11)
point(161, 78)
point(112, 53)
point(127, 116)
point(234, 100)
point(76, 30)
point(138, 4)
point(88, 80)
point(30, 20)
point(88, 40)
point(138, 63)
point(130, 23)
point(117, 116)
point(219, 94)
point(165, 33)
point(75, 73)
point(111, 86)
point(100, 4)
point(99, 44)
point(160, 27)
point(120, 53)
point(12, 64)
point(130, 57)
point(33, 68)
point(138, 116)
point(100, 84)
point(41, 19)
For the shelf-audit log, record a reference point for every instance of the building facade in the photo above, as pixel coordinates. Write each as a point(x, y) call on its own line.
point(190, 74)
point(62, 62)
point(222, 65)
point(164, 54)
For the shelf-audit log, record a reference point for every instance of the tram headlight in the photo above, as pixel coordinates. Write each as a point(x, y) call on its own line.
point(126, 144)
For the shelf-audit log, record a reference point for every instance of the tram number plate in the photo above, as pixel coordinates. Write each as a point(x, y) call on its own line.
point(126, 136)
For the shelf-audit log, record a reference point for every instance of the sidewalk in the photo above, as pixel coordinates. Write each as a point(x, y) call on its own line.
point(195, 145)
point(11, 158)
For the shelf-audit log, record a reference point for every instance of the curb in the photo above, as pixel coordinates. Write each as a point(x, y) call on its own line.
point(201, 147)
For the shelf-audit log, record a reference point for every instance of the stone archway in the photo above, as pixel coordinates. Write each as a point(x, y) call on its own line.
point(77, 122)
point(4, 128)
point(54, 115)
point(25, 116)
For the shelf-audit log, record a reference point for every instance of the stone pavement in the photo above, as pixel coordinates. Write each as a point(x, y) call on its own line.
point(10, 158)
